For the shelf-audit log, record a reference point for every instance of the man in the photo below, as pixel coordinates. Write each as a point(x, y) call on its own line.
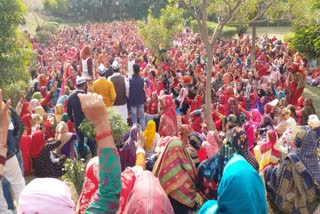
point(137, 96)
point(76, 116)
point(121, 85)
point(104, 87)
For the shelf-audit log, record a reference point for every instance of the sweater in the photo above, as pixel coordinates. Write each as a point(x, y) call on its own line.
point(106, 89)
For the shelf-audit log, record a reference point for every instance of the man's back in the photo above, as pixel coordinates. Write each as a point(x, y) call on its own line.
point(120, 88)
point(106, 89)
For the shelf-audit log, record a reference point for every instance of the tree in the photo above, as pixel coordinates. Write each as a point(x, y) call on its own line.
point(158, 33)
point(227, 12)
point(15, 55)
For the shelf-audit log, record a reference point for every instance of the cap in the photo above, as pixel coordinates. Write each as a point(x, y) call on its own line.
point(115, 65)
point(102, 69)
point(80, 81)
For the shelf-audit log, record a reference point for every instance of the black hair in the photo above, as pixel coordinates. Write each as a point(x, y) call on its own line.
point(136, 68)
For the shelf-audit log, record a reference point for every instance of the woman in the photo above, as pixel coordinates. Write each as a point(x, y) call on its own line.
point(293, 187)
point(46, 164)
point(148, 196)
point(152, 138)
point(26, 109)
point(175, 162)
point(128, 151)
point(67, 140)
point(240, 188)
point(268, 154)
point(168, 120)
point(212, 144)
point(86, 63)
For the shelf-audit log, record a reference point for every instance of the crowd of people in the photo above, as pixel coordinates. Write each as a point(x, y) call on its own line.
point(263, 151)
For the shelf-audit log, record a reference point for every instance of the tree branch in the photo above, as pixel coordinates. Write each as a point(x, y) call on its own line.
point(259, 15)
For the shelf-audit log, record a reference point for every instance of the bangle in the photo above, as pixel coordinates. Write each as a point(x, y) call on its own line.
point(103, 135)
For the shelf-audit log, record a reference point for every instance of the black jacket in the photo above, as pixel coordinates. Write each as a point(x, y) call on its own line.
point(74, 109)
point(14, 135)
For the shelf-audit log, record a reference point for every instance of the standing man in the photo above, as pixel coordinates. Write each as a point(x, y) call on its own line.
point(76, 116)
point(121, 86)
point(137, 96)
point(104, 87)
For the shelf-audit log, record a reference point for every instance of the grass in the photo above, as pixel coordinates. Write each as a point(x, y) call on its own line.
point(279, 32)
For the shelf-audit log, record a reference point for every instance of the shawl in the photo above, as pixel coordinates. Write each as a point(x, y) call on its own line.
point(58, 111)
point(25, 109)
point(27, 121)
point(148, 197)
point(43, 91)
point(90, 186)
point(37, 143)
point(176, 173)
point(46, 195)
point(241, 190)
point(25, 145)
point(168, 121)
point(291, 188)
point(256, 116)
point(306, 144)
point(34, 103)
point(196, 104)
point(128, 151)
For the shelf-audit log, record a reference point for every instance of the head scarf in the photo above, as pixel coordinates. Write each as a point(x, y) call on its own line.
point(37, 95)
point(266, 121)
point(40, 111)
point(34, 103)
point(46, 195)
point(27, 121)
point(128, 151)
point(212, 146)
point(148, 197)
point(149, 134)
point(306, 144)
point(183, 94)
point(185, 130)
point(58, 111)
point(24, 109)
point(239, 142)
point(256, 116)
point(196, 105)
point(43, 91)
point(168, 120)
point(65, 117)
point(37, 143)
point(176, 162)
point(85, 52)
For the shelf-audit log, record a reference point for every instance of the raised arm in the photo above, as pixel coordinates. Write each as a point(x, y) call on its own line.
point(107, 196)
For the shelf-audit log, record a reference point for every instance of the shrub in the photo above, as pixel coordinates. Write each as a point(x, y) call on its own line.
point(44, 36)
point(12, 90)
point(227, 32)
point(51, 27)
point(288, 37)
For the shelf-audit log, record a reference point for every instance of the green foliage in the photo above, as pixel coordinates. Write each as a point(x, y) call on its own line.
point(74, 173)
point(158, 34)
point(55, 7)
point(227, 32)
point(118, 125)
point(87, 128)
point(44, 36)
point(288, 37)
point(307, 39)
point(51, 27)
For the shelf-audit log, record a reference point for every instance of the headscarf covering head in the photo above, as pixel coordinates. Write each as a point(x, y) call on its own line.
point(46, 195)
point(149, 134)
point(148, 196)
point(37, 95)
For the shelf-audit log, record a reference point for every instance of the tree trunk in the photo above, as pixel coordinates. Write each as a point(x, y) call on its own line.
point(208, 101)
point(253, 44)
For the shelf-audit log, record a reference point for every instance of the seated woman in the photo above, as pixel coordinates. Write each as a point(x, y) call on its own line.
point(47, 164)
point(175, 162)
point(152, 138)
point(67, 139)
point(293, 186)
point(233, 179)
point(168, 121)
point(268, 154)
